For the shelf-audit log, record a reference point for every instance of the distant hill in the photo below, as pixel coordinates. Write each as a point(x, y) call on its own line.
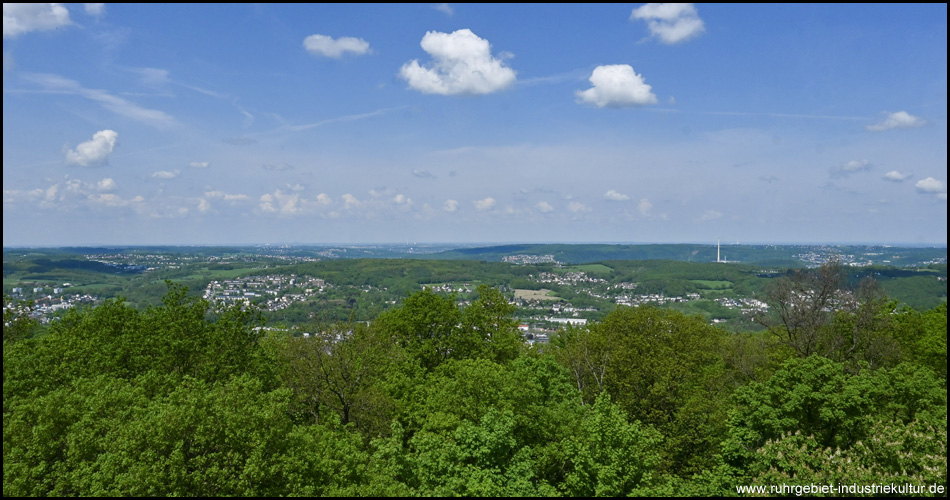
point(770, 255)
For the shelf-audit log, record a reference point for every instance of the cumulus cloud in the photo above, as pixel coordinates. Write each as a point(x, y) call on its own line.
point(114, 200)
point(645, 207)
point(856, 166)
point(544, 207)
point(106, 185)
point(166, 174)
point(401, 199)
point(450, 206)
point(94, 152)
point(615, 196)
point(577, 207)
point(616, 86)
point(282, 203)
point(851, 167)
point(73, 194)
point(221, 195)
point(896, 176)
point(199, 164)
point(324, 199)
point(462, 63)
point(19, 18)
point(930, 185)
point(485, 204)
point(350, 201)
point(900, 119)
point(325, 46)
point(670, 22)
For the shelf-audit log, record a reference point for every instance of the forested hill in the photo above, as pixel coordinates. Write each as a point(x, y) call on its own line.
point(433, 398)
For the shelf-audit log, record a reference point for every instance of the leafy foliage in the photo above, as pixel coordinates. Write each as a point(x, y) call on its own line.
point(437, 398)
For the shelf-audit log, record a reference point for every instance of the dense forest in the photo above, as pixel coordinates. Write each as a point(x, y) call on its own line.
point(844, 386)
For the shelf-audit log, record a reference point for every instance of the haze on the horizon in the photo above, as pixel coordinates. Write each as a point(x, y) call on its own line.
point(221, 124)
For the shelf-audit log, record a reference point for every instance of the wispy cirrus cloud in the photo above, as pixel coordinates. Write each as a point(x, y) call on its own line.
point(444, 8)
point(117, 105)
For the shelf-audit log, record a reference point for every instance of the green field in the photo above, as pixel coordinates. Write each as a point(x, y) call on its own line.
point(542, 294)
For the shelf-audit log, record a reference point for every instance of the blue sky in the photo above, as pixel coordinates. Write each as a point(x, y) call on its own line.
point(641, 123)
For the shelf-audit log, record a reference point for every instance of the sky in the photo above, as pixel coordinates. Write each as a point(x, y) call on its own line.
point(148, 124)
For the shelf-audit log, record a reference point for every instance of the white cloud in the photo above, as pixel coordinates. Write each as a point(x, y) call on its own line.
point(72, 195)
point(450, 206)
point(401, 199)
point(930, 185)
point(855, 166)
point(462, 64)
point(350, 201)
point(485, 204)
point(615, 196)
point(645, 207)
point(106, 185)
point(166, 174)
point(203, 205)
point(616, 86)
point(423, 174)
point(851, 167)
point(670, 22)
point(115, 104)
point(576, 207)
point(113, 200)
point(544, 207)
point(895, 176)
point(153, 77)
point(324, 199)
point(221, 195)
point(322, 45)
point(444, 8)
point(94, 152)
point(900, 119)
point(19, 18)
point(199, 164)
point(95, 9)
point(282, 203)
